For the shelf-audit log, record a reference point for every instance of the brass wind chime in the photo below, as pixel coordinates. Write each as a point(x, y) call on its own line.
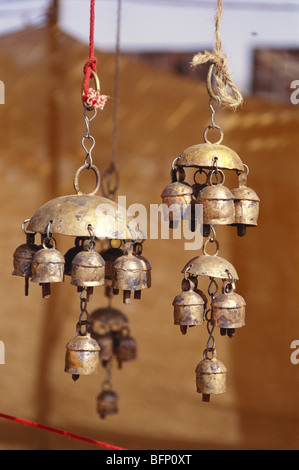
point(222, 307)
point(118, 265)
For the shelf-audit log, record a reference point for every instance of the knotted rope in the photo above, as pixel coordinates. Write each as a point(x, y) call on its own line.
point(227, 91)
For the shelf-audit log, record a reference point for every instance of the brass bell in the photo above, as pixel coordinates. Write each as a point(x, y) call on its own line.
point(177, 196)
point(228, 310)
point(22, 259)
point(110, 256)
point(88, 269)
point(106, 348)
point(71, 253)
point(130, 273)
point(246, 205)
point(210, 377)
point(82, 354)
point(47, 267)
point(189, 307)
point(106, 321)
point(217, 202)
point(147, 269)
point(125, 347)
point(107, 403)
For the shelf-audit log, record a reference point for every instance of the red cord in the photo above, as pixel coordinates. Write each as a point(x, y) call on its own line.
point(62, 433)
point(90, 96)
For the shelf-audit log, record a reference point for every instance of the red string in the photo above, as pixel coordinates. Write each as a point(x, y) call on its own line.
point(91, 97)
point(91, 64)
point(62, 433)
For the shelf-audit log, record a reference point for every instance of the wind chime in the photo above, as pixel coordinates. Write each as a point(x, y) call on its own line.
point(88, 218)
point(238, 207)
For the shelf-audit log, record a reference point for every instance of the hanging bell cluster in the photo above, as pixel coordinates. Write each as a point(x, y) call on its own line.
point(221, 206)
point(110, 329)
point(238, 207)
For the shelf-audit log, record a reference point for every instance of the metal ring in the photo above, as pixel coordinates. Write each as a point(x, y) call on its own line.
point(98, 179)
point(209, 241)
point(97, 89)
point(23, 227)
point(185, 273)
point(200, 171)
point(216, 173)
point(209, 82)
point(206, 133)
point(173, 164)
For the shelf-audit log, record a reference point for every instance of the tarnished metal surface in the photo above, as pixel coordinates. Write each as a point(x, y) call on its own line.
point(110, 256)
point(107, 403)
point(189, 309)
point(47, 266)
point(88, 269)
point(125, 348)
point(211, 377)
point(71, 215)
point(82, 356)
point(246, 203)
point(106, 345)
point(175, 196)
point(202, 156)
point(22, 259)
point(228, 311)
point(218, 205)
point(107, 320)
point(131, 273)
point(212, 266)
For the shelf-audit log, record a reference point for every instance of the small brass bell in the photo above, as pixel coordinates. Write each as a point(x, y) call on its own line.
point(82, 354)
point(228, 310)
point(246, 205)
point(125, 347)
point(71, 253)
point(47, 267)
point(177, 196)
point(22, 259)
point(147, 269)
point(189, 307)
point(217, 202)
point(210, 377)
point(107, 403)
point(88, 269)
point(106, 348)
point(106, 321)
point(110, 256)
point(130, 273)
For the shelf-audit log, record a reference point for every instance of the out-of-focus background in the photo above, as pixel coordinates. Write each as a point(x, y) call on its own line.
point(162, 109)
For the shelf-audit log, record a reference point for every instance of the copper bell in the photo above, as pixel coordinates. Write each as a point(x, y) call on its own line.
point(246, 205)
point(125, 347)
point(22, 259)
point(177, 196)
point(228, 310)
point(82, 354)
point(47, 267)
point(107, 403)
point(130, 273)
point(189, 307)
point(88, 269)
point(210, 377)
point(217, 202)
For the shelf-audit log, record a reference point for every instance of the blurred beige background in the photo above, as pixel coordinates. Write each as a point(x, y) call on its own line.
point(160, 115)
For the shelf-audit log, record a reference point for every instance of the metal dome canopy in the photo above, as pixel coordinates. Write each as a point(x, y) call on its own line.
point(202, 155)
point(212, 266)
point(71, 215)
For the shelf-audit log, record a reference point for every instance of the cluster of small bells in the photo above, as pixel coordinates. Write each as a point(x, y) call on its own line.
point(239, 208)
point(118, 266)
